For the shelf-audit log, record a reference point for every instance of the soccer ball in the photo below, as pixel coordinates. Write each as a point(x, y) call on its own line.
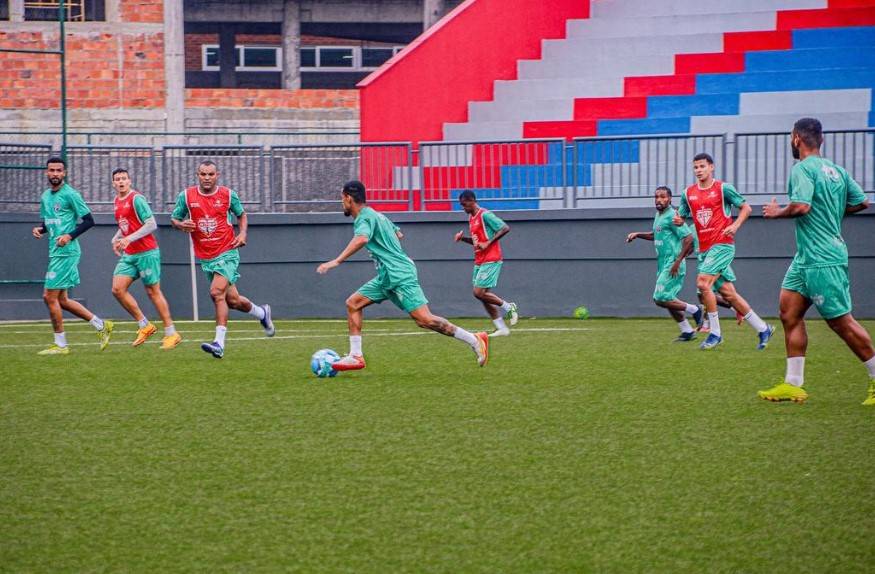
point(581, 312)
point(320, 363)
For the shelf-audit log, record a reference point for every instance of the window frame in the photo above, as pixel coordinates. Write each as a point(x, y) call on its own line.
point(241, 55)
point(356, 58)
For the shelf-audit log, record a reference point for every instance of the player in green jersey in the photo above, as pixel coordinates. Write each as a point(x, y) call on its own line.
point(821, 194)
point(61, 209)
point(672, 244)
point(396, 280)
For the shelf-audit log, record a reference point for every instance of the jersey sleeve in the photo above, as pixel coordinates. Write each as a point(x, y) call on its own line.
point(681, 231)
point(236, 206)
point(731, 196)
point(800, 188)
point(684, 209)
point(492, 222)
point(180, 211)
point(364, 226)
point(142, 208)
point(80, 208)
point(856, 195)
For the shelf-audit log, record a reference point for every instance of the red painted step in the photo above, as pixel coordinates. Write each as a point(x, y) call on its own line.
point(717, 63)
point(614, 108)
point(851, 3)
point(660, 85)
point(516, 153)
point(752, 41)
point(826, 18)
point(563, 129)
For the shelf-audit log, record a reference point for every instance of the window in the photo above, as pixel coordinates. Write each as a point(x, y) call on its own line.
point(246, 58)
point(376, 57)
point(76, 10)
point(308, 57)
point(338, 58)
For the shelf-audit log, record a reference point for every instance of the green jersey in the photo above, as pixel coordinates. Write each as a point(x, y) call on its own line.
point(668, 237)
point(828, 189)
point(60, 211)
point(394, 267)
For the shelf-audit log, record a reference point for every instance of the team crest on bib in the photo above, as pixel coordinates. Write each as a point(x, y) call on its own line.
point(703, 216)
point(207, 225)
point(124, 225)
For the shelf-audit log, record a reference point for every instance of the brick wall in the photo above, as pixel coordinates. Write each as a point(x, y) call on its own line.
point(143, 10)
point(255, 98)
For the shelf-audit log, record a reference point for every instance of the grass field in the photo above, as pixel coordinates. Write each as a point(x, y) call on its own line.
point(583, 446)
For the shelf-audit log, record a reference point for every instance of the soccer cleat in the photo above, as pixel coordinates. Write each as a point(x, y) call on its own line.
point(685, 337)
point(267, 323)
point(171, 341)
point(214, 348)
point(55, 350)
point(784, 392)
point(143, 334)
point(482, 349)
point(699, 318)
point(765, 336)
point(349, 363)
point(711, 342)
point(500, 332)
point(513, 315)
point(870, 399)
point(105, 334)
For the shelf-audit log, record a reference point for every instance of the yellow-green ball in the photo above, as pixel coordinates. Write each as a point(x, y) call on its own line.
point(581, 312)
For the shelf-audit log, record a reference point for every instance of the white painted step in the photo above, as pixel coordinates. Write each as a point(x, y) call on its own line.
point(693, 8)
point(523, 110)
point(483, 131)
point(597, 67)
point(806, 102)
point(668, 25)
point(581, 49)
point(776, 122)
point(551, 88)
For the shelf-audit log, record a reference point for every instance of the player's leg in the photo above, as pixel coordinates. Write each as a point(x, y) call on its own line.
point(67, 277)
point(50, 298)
point(262, 313)
point(120, 290)
point(734, 298)
point(368, 294)
point(171, 335)
point(704, 283)
point(665, 295)
point(478, 342)
point(485, 279)
point(793, 304)
point(218, 292)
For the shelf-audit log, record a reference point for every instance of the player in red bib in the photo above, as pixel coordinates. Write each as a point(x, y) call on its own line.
point(710, 203)
point(135, 243)
point(486, 230)
point(204, 211)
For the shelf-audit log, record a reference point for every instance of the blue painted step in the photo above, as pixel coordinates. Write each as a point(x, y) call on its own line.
point(834, 37)
point(826, 58)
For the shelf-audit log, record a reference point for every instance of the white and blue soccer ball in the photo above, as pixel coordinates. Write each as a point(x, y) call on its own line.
point(321, 361)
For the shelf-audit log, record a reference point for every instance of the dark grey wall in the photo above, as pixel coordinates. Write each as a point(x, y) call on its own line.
point(555, 261)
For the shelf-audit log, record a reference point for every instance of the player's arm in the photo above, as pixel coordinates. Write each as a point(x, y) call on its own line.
point(800, 188)
point(772, 210)
point(849, 209)
point(733, 198)
point(686, 249)
point(39, 230)
point(498, 235)
point(236, 207)
point(86, 223)
point(645, 235)
point(461, 237)
point(180, 218)
point(683, 211)
point(857, 200)
point(356, 243)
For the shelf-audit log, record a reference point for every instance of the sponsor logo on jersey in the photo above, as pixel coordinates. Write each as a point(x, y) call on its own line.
point(207, 225)
point(830, 172)
point(703, 216)
point(124, 225)
point(57, 207)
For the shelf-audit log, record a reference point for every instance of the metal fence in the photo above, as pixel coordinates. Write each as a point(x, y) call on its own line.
point(522, 174)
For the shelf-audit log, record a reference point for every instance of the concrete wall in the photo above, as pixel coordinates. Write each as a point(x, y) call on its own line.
point(555, 261)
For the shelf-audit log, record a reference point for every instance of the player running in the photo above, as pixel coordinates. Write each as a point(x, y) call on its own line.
point(673, 243)
point(396, 280)
point(710, 202)
point(204, 211)
point(821, 194)
point(61, 207)
point(486, 230)
point(137, 246)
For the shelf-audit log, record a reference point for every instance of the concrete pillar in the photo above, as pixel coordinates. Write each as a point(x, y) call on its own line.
point(432, 11)
point(16, 10)
point(291, 44)
point(174, 67)
point(227, 55)
point(113, 11)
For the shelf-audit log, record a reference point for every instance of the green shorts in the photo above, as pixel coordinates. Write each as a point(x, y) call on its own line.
point(486, 274)
point(63, 272)
point(827, 287)
point(146, 265)
point(407, 296)
point(718, 261)
point(226, 265)
point(668, 287)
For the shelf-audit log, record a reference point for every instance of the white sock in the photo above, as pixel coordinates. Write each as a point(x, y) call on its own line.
point(221, 330)
point(355, 345)
point(171, 330)
point(754, 321)
point(505, 306)
point(691, 309)
point(97, 323)
point(795, 371)
point(684, 326)
point(61, 339)
point(499, 323)
point(464, 335)
point(142, 323)
point(714, 319)
point(257, 311)
point(706, 324)
point(870, 366)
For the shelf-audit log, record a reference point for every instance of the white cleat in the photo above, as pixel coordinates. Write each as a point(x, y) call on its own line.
point(500, 333)
point(512, 316)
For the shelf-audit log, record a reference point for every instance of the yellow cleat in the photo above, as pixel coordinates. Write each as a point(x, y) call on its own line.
point(784, 392)
point(171, 341)
point(105, 334)
point(55, 350)
point(870, 399)
point(143, 334)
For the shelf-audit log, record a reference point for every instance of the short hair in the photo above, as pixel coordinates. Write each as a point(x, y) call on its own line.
point(467, 195)
point(664, 188)
point(119, 170)
point(356, 190)
point(56, 159)
point(707, 157)
point(809, 131)
point(208, 162)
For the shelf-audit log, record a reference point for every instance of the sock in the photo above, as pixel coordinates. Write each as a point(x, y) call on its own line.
point(684, 326)
point(355, 345)
point(706, 323)
point(691, 309)
point(142, 323)
point(221, 330)
point(505, 306)
point(257, 311)
point(97, 323)
point(464, 335)
point(499, 323)
point(795, 370)
point(171, 330)
point(870, 366)
point(714, 319)
point(754, 321)
point(61, 339)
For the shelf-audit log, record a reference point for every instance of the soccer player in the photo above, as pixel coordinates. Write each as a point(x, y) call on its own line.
point(673, 243)
point(710, 202)
point(61, 207)
point(821, 194)
point(137, 246)
point(204, 211)
point(396, 280)
point(486, 230)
